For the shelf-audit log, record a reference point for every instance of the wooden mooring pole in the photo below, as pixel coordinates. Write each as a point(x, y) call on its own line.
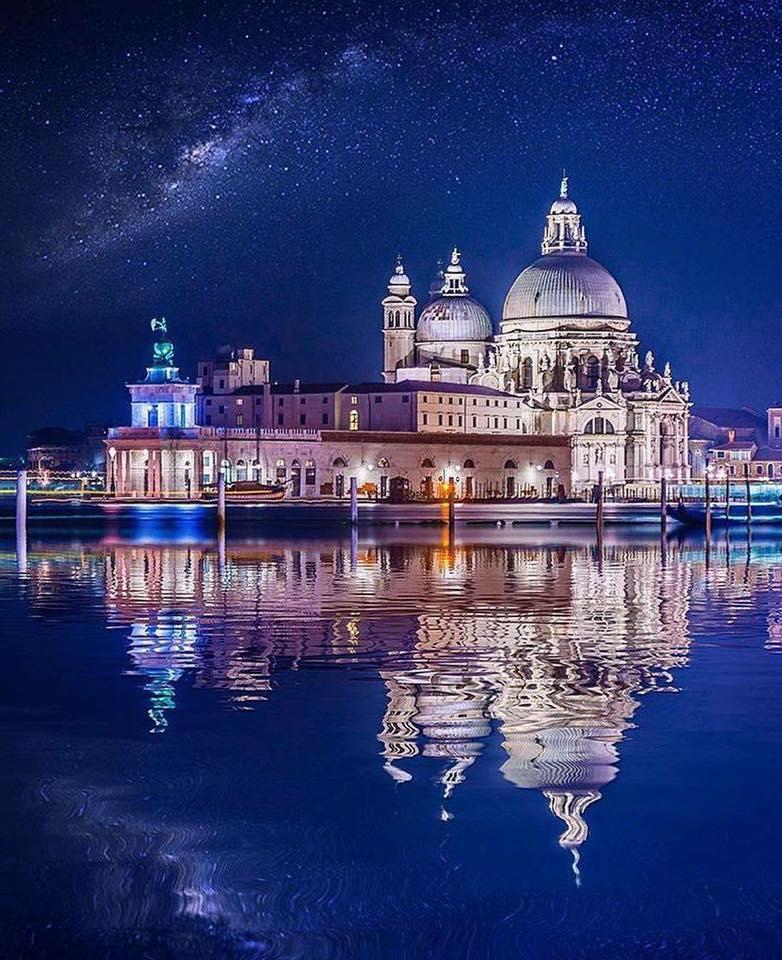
point(727, 496)
point(708, 505)
point(451, 507)
point(600, 505)
point(663, 504)
point(221, 503)
point(749, 497)
point(21, 520)
point(353, 501)
point(21, 505)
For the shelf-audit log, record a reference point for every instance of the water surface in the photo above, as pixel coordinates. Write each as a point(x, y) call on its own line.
point(312, 747)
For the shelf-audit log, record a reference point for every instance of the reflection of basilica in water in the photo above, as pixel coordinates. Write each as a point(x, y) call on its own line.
point(280, 795)
point(544, 648)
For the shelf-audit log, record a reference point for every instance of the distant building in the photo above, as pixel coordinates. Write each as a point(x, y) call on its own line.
point(57, 450)
point(734, 442)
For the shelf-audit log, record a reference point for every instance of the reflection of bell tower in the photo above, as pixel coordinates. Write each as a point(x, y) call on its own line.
point(398, 324)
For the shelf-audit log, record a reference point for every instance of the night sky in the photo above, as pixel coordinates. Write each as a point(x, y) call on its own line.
point(251, 171)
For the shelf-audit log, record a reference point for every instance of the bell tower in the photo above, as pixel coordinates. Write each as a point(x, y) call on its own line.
point(398, 324)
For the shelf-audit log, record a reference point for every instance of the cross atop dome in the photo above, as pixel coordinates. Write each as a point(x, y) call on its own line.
point(564, 231)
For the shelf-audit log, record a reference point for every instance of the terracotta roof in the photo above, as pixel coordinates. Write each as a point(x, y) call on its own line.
point(431, 386)
point(441, 439)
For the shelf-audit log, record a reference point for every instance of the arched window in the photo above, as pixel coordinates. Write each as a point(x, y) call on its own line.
point(759, 470)
point(510, 464)
point(428, 464)
point(599, 425)
point(353, 420)
point(339, 462)
point(279, 470)
point(469, 464)
point(549, 465)
point(241, 469)
point(309, 473)
point(526, 374)
point(770, 470)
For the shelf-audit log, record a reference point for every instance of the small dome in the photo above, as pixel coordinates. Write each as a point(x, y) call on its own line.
point(399, 278)
point(453, 318)
point(564, 285)
point(563, 205)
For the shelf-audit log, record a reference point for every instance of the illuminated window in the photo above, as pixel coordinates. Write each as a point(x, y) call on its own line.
point(353, 420)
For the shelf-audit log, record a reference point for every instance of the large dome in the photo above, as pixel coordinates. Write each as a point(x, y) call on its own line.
point(564, 285)
point(453, 318)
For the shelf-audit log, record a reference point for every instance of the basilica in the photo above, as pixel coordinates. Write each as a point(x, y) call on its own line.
point(546, 406)
point(564, 346)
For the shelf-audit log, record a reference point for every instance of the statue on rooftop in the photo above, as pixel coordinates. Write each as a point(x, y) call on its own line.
point(163, 348)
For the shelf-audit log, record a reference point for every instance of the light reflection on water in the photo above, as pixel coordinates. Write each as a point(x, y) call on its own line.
point(317, 748)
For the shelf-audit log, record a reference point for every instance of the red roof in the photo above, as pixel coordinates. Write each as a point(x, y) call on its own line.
point(440, 439)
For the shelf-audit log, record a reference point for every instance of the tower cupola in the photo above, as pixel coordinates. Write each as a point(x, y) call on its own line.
point(564, 232)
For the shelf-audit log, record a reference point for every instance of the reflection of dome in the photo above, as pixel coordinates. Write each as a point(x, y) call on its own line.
point(564, 285)
point(453, 318)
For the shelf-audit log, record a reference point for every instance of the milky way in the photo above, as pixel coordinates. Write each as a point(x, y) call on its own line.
point(186, 124)
point(252, 170)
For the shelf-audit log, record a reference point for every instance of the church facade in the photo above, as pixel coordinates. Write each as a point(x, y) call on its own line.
point(564, 346)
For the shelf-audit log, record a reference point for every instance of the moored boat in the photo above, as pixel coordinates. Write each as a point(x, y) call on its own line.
point(694, 514)
point(250, 491)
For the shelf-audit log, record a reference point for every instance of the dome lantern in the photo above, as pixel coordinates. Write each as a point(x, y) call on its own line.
point(399, 284)
point(455, 284)
point(564, 232)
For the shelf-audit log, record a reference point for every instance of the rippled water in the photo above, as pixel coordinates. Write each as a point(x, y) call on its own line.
point(316, 748)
